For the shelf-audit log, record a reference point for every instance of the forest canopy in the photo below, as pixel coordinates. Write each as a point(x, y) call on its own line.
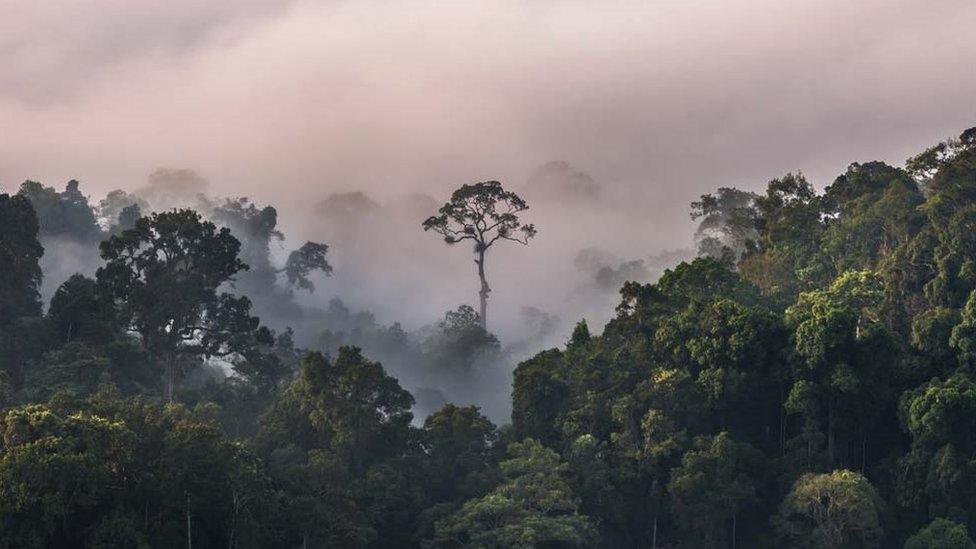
point(807, 381)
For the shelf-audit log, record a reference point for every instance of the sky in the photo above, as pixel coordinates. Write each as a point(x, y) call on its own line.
point(658, 101)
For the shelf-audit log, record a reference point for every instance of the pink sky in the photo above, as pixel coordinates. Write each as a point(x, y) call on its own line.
point(659, 100)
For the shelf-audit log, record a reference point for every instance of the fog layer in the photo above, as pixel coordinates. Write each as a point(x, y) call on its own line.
point(356, 119)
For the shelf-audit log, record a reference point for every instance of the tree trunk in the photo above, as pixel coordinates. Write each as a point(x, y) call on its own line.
point(864, 450)
point(831, 428)
point(169, 378)
point(189, 524)
point(483, 294)
point(231, 542)
point(654, 535)
point(782, 425)
point(733, 530)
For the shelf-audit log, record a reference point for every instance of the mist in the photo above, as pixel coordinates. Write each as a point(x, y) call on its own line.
point(356, 120)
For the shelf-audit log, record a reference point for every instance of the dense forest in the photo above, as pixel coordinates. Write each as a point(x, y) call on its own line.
point(809, 380)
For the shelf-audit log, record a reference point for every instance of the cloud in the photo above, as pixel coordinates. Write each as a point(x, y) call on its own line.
point(53, 51)
point(656, 101)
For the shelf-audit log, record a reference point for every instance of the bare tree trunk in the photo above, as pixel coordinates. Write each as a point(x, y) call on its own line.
point(654, 536)
point(485, 290)
point(734, 524)
point(864, 449)
point(831, 440)
point(233, 522)
point(169, 378)
point(189, 524)
point(782, 426)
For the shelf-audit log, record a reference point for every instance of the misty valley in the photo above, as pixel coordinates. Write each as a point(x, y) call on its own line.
point(175, 370)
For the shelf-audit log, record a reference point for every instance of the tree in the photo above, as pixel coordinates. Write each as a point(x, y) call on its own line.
point(20, 279)
point(163, 277)
point(789, 225)
point(342, 426)
point(115, 211)
point(483, 213)
point(715, 482)
point(872, 209)
point(66, 214)
point(838, 509)
point(57, 475)
point(458, 442)
point(20, 253)
point(963, 336)
point(937, 473)
point(734, 354)
point(539, 395)
point(460, 341)
point(533, 507)
point(581, 334)
point(351, 404)
point(941, 534)
point(111, 472)
point(728, 223)
point(257, 229)
point(78, 312)
point(304, 260)
point(931, 335)
point(127, 219)
point(842, 373)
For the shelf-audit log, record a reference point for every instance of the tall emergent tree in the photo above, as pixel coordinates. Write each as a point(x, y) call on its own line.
point(484, 213)
point(163, 276)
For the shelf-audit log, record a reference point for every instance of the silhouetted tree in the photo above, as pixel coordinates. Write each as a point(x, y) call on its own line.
point(483, 213)
point(163, 276)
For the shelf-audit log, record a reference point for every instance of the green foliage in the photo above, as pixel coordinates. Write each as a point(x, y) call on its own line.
point(458, 442)
point(839, 509)
point(936, 475)
point(717, 483)
point(459, 342)
point(943, 412)
point(123, 473)
point(20, 278)
point(789, 227)
point(842, 382)
point(727, 404)
point(581, 334)
point(931, 334)
point(20, 252)
point(963, 336)
point(163, 277)
point(872, 209)
point(342, 426)
point(941, 534)
point(532, 507)
point(78, 312)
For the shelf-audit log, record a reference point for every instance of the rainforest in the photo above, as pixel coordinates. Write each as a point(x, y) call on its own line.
point(482, 274)
point(807, 380)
